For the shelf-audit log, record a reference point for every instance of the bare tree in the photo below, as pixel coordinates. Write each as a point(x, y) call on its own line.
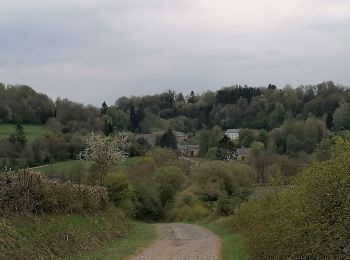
point(104, 152)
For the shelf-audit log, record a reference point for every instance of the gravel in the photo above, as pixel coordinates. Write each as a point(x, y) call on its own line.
point(179, 241)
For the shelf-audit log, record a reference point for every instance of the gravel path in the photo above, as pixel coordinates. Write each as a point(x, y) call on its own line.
point(182, 242)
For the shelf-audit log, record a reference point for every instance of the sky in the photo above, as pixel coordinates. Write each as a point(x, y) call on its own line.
point(96, 50)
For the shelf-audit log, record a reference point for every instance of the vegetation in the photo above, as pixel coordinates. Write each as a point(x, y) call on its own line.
point(139, 236)
point(104, 152)
point(31, 131)
point(31, 192)
point(231, 244)
point(307, 221)
point(296, 147)
point(49, 236)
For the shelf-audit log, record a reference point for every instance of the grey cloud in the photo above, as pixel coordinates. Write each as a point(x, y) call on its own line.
point(94, 50)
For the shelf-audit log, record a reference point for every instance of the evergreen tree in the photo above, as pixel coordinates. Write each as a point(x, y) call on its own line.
point(18, 140)
point(104, 108)
point(225, 150)
point(192, 98)
point(133, 119)
point(168, 140)
point(180, 98)
point(108, 128)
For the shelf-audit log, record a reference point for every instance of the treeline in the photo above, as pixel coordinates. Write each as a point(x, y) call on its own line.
point(230, 107)
point(21, 104)
point(288, 121)
point(239, 107)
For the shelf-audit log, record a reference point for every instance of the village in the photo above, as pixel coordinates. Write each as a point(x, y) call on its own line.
point(187, 147)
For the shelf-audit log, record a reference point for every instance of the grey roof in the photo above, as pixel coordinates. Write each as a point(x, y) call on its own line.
point(242, 151)
point(188, 146)
point(180, 134)
point(233, 130)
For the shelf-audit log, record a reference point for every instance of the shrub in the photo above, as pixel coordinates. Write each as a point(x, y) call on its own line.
point(169, 180)
point(120, 192)
point(32, 192)
point(226, 206)
point(217, 179)
point(188, 213)
point(308, 221)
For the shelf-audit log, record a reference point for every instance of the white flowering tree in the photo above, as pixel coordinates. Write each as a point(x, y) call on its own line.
point(104, 152)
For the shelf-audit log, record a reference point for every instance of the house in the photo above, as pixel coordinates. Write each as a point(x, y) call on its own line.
point(241, 154)
point(180, 137)
point(150, 138)
point(188, 150)
point(233, 134)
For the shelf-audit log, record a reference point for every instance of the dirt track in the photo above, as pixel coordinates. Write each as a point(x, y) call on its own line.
point(182, 242)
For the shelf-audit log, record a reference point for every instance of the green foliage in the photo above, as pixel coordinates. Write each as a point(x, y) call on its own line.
point(119, 118)
point(208, 139)
point(139, 236)
point(31, 192)
point(225, 149)
point(341, 118)
point(226, 206)
point(212, 153)
point(231, 243)
point(162, 156)
point(168, 140)
point(308, 221)
point(31, 131)
point(246, 137)
point(58, 236)
point(169, 180)
point(120, 192)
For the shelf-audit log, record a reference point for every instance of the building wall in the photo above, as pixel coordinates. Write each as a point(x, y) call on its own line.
point(232, 136)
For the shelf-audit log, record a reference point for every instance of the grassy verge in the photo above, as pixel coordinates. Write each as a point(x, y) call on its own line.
point(231, 245)
point(139, 236)
point(56, 236)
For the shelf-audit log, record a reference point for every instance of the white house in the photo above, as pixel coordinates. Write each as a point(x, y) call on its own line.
point(233, 134)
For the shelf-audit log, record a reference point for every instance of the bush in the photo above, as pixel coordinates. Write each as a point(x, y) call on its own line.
point(32, 192)
point(187, 213)
point(308, 221)
point(169, 180)
point(120, 192)
point(226, 206)
point(217, 179)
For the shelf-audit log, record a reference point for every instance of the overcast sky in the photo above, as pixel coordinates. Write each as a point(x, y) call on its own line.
point(95, 50)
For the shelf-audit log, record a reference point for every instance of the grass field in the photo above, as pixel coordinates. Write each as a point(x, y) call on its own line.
point(68, 165)
point(60, 166)
point(139, 236)
point(31, 131)
point(76, 171)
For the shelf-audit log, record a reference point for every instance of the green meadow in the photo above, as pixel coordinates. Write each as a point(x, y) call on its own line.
point(31, 131)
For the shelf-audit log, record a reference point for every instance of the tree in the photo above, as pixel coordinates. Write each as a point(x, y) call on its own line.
point(18, 139)
point(104, 152)
point(119, 118)
point(180, 98)
point(225, 149)
point(104, 108)
point(192, 98)
point(208, 139)
point(341, 118)
point(256, 148)
point(169, 179)
point(246, 137)
point(108, 128)
point(168, 140)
